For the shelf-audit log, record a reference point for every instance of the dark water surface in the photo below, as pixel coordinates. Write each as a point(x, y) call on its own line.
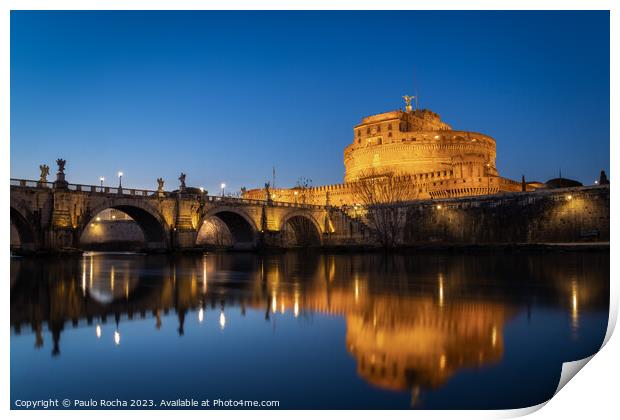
point(312, 331)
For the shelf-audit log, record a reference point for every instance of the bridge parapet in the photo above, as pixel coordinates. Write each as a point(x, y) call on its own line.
point(98, 189)
point(53, 216)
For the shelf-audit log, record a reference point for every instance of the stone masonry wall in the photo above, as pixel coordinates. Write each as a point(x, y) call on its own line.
point(548, 216)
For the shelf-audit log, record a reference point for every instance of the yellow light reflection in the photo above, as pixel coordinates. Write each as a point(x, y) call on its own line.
point(90, 280)
point(274, 304)
point(112, 279)
point(442, 362)
point(440, 289)
point(494, 336)
point(117, 337)
point(296, 309)
point(201, 315)
point(574, 305)
point(98, 331)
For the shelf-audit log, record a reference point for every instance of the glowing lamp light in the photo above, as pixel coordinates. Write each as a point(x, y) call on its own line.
point(98, 218)
point(202, 189)
point(120, 173)
point(569, 197)
point(438, 206)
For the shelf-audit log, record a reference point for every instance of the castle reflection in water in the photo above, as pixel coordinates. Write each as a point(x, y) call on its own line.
point(411, 322)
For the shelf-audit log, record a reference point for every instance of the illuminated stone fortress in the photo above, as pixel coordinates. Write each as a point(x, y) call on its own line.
point(416, 146)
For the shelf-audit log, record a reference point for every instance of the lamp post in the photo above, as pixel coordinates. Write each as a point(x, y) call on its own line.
point(120, 179)
point(101, 179)
point(223, 185)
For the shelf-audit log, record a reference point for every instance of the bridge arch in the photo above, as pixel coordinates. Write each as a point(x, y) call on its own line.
point(300, 228)
point(153, 225)
point(241, 227)
point(21, 219)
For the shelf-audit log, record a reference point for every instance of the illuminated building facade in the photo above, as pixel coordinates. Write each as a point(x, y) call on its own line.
point(417, 146)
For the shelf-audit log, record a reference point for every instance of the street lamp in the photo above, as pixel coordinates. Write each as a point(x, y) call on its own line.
point(120, 179)
point(223, 185)
point(101, 179)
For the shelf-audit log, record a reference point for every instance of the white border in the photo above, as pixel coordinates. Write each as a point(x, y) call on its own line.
point(593, 394)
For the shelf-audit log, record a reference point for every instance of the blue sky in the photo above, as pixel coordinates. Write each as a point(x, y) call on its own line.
point(223, 96)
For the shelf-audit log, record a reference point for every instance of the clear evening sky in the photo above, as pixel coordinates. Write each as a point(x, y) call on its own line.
point(223, 96)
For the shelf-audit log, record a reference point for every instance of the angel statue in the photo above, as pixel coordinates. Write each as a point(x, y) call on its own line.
point(408, 99)
point(267, 185)
point(182, 180)
point(45, 171)
point(61, 165)
point(160, 184)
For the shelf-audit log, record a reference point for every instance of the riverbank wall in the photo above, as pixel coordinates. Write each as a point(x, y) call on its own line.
point(558, 216)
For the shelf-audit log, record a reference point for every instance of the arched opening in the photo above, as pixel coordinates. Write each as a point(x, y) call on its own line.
point(226, 229)
point(123, 228)
point(22, 233)
point(300, 231)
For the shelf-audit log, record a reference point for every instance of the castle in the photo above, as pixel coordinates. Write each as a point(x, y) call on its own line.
point(414, 146)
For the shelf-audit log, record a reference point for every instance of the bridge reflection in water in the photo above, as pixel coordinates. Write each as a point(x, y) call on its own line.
point(412, 323)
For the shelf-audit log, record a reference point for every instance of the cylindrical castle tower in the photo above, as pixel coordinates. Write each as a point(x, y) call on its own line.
point(416, 142)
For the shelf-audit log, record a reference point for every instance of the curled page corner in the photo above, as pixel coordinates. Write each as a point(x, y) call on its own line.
point(570, 369)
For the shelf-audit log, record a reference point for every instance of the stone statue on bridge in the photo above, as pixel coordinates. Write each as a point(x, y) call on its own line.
point(61, 165)
point(160, 185)
point(45, 171)
point(182, 181)
point(267, 192)
point(60, 175)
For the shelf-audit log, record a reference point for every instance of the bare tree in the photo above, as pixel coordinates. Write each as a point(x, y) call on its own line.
point(382, 196)
point(302, 187)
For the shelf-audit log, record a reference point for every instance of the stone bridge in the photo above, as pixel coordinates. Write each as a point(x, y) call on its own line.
point(52, 216)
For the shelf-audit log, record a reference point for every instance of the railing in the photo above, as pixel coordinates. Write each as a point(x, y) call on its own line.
point(30, 183)
point(98, 189)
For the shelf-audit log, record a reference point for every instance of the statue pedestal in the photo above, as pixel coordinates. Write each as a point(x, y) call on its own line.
point(60, 181)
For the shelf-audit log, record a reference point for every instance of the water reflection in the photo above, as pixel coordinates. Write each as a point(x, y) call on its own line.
point(412, 322)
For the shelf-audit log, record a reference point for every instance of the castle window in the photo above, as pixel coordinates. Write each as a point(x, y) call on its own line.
point(389, 126)
point(367, 130)
point(378, 129)
point(390, 134)
point(359, 133)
